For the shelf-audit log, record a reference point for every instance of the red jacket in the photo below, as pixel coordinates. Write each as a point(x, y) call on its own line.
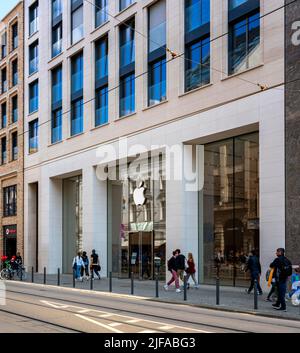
point(191, 267)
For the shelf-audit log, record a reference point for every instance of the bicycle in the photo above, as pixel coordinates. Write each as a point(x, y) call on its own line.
point(9, 272)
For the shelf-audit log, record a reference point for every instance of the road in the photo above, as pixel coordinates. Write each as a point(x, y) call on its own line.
point(37, 308)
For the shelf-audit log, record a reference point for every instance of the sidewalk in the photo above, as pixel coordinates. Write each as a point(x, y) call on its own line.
point(231, 298)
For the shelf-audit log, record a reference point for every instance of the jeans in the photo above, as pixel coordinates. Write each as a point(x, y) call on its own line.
point(193, 277)
point(174, 278)
point(255, 276)
point(78, 272)
point(180, 274)
point(281, 286)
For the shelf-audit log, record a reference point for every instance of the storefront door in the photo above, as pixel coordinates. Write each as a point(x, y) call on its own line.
point(141, 254)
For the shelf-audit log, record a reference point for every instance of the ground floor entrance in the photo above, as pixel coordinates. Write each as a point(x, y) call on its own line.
point(10, 241)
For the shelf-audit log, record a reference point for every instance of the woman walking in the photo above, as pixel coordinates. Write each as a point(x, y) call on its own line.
point(191, 270)
point(77, 265)
point(173, 269)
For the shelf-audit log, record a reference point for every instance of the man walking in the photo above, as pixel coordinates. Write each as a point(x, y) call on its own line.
point(253, 265)
point(180, 264)
point(282, 270)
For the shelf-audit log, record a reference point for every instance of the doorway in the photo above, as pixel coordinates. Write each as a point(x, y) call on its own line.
point(141, 254)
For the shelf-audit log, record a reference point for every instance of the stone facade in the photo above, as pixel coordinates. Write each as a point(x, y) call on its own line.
point(11, 172)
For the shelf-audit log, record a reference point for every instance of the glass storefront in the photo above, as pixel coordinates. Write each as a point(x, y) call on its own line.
point(137, 215)
point(230, 208)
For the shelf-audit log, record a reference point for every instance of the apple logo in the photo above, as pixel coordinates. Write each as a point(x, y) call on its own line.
point(139, 195)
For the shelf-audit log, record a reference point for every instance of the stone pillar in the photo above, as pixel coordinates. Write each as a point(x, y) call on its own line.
point(292, 130)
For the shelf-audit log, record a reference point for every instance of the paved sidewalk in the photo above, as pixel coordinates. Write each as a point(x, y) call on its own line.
point(231, 298)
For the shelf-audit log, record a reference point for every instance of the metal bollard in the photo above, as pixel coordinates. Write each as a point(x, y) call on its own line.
point(185, 288)
point(32, 274)
point(44, 275)
point(92, 280)
point(21, 278)
point(255, 295)
point(156, 285)
point(110, 282)
point(73, 278)
point(217, 291)
point(132, 283)
point(58, 277)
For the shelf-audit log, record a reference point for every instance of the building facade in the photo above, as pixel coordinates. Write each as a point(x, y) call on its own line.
point(181, 104)
point(11, 132)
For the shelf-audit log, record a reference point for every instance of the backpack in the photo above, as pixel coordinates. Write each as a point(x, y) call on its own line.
point(286, 269)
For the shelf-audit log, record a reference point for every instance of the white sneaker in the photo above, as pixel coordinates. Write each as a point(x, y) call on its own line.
point(178, 290)
point(166, 287)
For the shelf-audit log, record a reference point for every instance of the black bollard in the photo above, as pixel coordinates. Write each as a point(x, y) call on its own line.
point(185, 288)
point(73, 278)
point(92, 280)
point(217, 291)
point(32, 274)
point(156, 285)
point(110, 282)
point(255, 295)
point(58, 277)
point(21, 278)
point(132, 283)
point(44, 275)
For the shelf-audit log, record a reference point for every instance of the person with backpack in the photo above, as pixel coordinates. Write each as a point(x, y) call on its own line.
point(282, 270)
point(253, 265)
point(172, 267)
point(95, 263)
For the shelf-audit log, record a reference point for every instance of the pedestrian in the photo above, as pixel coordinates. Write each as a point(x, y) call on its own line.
point(253, 265)
point(146, 265)
point(173, 269)
point(77, 265)
point(85, 268)
point(283, 269)
point(180, 264)
point(191, 270)
point(95, 263)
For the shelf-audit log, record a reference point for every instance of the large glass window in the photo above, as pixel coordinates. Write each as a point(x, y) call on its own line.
point(3, 150)
point(33, 57)
point(3, 80)
point(3, 115)
point(197, 43)
point(157, 26)
point(14, 70)
point(127, 95)
point(197, 13)
point(3, 45)
point(14, 146)
point(15, 36)
point(56, 131)
point(100, 12)
point(77, 22)
point(57, 39)
point(101, 106)
point(244, 40)
point(14, 105)
point(33, 96)
point(236, 3)
point(229, 208)
point(56, 8)
point(77, 73)
point(197, 71)
point(33, 18)
point(125, 3)
point(101, 55)
point(127, 46)
point(10, 201)
point(57, 85)
point(157, 82)
point(77, 117)
point(33, 136)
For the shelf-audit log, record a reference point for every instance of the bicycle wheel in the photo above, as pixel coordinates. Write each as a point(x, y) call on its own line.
point(5, 274)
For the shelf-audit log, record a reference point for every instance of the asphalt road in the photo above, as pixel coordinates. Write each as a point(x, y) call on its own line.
point(37, 308)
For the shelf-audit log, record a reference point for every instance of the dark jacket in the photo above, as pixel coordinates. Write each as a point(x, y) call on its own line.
point(172, 264)
point(253, 265)
point(277, 265)
point(180, 262)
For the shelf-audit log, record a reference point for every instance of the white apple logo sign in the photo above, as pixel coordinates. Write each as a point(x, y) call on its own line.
point(139, 195)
